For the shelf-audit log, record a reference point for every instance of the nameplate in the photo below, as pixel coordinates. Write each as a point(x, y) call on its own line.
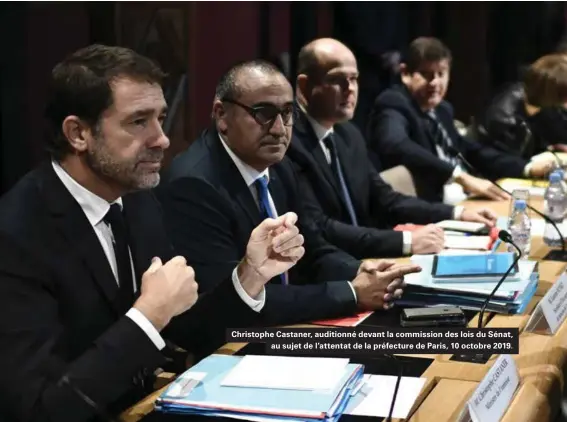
point(554, 303)
point(495, 392)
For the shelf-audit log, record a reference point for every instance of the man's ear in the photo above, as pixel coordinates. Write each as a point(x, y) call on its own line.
point(219, 116)
point(77, 133)
point(301, 87)
point(405, 75)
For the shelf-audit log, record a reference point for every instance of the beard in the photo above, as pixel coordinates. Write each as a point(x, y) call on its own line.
point(124, 172)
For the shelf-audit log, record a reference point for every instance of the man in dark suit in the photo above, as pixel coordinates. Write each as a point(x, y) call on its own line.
point(233, 176)
point(412, 125)
point(344, 193)
point(83, 313)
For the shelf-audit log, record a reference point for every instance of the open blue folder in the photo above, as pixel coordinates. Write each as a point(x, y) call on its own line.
point(206, 396)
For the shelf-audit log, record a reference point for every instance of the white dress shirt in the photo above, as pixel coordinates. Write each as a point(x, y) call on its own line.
point(321, 133)
point(95, 209)
point(250, 175)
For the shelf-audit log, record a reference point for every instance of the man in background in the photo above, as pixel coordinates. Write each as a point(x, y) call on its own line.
point(234, 176)
point(412, 125)
point(344, 193)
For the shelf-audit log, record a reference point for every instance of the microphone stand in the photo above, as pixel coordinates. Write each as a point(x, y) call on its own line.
point(396, 388)
point(507, 238)
point(85, 398)
point(481, 357)
point(553, 255)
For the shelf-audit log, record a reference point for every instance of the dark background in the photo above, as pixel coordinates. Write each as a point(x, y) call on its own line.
point(196, 42)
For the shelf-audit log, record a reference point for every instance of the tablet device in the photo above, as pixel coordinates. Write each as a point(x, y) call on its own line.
point(474, 265)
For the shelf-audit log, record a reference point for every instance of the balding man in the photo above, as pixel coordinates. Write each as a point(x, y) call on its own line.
point(234, 176)
point(345, 194)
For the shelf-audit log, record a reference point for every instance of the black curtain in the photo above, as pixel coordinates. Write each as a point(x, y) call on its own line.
point(15, 154)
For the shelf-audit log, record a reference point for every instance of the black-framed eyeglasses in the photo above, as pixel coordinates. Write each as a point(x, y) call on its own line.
point(266, 114)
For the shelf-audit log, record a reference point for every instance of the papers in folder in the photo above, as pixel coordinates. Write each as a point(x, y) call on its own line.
point(210, 397)
point(285, 372)
point(512, 297)
point(376, 394)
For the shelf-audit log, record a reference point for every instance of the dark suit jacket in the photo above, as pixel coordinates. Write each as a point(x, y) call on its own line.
point(398, 133)
point(377, 205)
point(210, 214)
point(506, 125)
point(58, 312)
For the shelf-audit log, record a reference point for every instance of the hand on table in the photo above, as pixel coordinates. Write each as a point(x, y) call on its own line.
point(379, 282)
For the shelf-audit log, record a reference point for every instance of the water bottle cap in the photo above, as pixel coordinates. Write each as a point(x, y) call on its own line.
point(554, 177)
point(520, 204)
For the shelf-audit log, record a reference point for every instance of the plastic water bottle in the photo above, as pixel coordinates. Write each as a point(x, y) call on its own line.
point(561, 173)
point(519, 227)
point(554, 207)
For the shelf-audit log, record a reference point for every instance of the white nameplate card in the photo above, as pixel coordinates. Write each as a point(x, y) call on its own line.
point(494, 394)
point(552, 309)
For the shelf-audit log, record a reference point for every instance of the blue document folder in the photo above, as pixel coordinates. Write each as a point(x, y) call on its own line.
point(207, 396)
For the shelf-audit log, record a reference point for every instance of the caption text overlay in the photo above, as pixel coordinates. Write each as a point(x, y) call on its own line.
point(385, 340)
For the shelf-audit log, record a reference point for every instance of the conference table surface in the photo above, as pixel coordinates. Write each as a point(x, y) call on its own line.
point(543, 353)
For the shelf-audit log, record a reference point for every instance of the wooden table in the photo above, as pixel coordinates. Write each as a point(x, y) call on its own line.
point(542, 360)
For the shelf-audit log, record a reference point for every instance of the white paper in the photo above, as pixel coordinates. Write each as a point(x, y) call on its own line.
point(460, 225)
point(375, 396)
point(495, 392)
point(462, 252)
point(425, 279)
point(554, 303)
point(467, 242)
point(286, 372)
point(538, 227)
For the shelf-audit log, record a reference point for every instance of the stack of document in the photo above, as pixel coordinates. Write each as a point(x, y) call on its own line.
point(260, 387)
point(511, 298)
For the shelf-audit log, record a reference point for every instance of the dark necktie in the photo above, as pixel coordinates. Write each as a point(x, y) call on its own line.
point(442, 139)
point(337, 170)
point(265, 209)
point(115, 219)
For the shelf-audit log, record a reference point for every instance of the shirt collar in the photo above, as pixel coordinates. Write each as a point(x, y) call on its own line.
point(320, 131)
point(249, 174)
point(94, 207)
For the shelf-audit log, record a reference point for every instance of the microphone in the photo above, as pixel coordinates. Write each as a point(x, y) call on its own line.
point(507, 238)
point(554, 255)
point(481, 357)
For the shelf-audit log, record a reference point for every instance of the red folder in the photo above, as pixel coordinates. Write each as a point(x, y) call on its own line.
point(351, 321)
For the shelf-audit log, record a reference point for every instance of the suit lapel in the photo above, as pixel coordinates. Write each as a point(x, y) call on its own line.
point(233, 180)
point(311, 143)
point(424, 126)
point(135, 221)
point(80, 235)
point(277, 192)
point(343, 152)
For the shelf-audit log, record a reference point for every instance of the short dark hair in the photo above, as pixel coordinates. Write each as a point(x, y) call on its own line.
point(425, 49)
point(81, 85)
point(228, 88)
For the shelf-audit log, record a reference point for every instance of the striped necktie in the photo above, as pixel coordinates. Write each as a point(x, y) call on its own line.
point(443, 141)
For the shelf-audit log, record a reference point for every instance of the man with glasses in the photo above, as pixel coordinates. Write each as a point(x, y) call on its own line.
point(234, 176)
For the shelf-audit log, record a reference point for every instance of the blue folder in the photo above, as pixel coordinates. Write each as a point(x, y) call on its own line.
point(209, 398)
